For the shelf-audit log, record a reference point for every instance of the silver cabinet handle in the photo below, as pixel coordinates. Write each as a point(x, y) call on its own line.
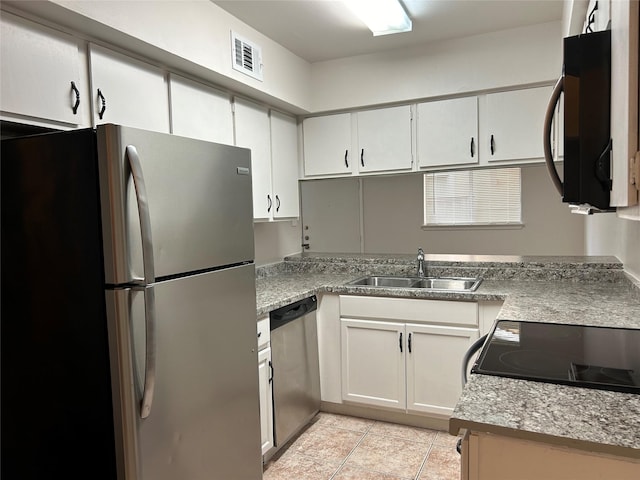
point(131, 153)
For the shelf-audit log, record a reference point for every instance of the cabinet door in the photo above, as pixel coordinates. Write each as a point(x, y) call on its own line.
point(384, 139)
point(434, 360)
point(284, 166)
point(132, 93)
point(199, 111)
point(511, 125)
point(373, 370)
point(266, 395)
point(252, 131)
point(447, 132)
point(327, 145)
point(37, 68)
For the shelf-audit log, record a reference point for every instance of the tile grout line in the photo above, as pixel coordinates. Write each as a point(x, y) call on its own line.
point(351, 452)
point(368, 430)
point(424, 461)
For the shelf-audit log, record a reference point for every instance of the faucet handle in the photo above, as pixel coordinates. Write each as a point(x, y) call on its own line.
point(420, 269)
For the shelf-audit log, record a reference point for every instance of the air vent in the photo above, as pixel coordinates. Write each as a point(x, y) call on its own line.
point(246, 56)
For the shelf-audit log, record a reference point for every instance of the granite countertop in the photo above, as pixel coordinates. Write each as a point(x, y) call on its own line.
point(577, 290)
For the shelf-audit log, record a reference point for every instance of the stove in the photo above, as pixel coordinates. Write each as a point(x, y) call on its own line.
point(606, 358)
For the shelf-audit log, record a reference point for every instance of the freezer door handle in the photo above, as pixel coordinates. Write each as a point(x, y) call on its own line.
point(133, 158)
point(150, 351)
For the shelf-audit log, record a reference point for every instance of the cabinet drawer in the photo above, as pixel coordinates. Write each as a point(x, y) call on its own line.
point(410, 309)
point(264, 334)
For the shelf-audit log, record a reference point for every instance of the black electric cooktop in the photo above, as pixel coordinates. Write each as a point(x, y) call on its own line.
point(594, 357)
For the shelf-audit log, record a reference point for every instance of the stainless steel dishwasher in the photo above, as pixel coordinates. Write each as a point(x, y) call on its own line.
point(294, 358)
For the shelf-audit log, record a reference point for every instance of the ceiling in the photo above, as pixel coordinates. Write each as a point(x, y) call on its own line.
point(318, 30)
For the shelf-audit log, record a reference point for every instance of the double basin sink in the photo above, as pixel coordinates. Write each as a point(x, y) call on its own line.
point(443, 284)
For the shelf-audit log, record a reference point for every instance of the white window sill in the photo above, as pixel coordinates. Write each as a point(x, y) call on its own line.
point(475, 226)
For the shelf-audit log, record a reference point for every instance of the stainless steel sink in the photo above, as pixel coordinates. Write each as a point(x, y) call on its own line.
point(374, 281)
point(444, 284)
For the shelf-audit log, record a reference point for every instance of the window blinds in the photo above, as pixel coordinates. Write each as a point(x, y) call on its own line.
point(473, 197)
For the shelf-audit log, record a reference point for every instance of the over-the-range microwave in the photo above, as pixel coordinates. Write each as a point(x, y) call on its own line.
point(586, 87)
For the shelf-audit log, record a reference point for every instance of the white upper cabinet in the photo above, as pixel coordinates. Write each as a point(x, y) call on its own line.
point(41, 73)
point(625, 191)
point(273, 140)
point(284, 166)
point(501, 127)
point(447, 132)
point(381, 142)
point(511, 124)
point(199, 111)
point(253, 132)
point(327, 145)
point(598, 16)
point(128, 92)
point(384, 139)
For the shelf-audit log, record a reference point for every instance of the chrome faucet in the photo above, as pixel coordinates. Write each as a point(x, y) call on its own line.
point(420, 263)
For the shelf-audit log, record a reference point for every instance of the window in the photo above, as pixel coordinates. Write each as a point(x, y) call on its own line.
point(472, 197)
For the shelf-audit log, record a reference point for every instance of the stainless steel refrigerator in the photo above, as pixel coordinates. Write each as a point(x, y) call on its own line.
point(128, 324)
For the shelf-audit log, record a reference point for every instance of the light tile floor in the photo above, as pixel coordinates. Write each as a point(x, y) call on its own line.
point(337, 447)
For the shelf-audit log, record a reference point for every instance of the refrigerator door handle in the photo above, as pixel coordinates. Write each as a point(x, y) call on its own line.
point(133, 158)
point(150, 351)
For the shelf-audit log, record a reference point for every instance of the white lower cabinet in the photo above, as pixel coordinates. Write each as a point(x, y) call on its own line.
point(373, 365)
point(265, 380)
point(405, 354)
point(434, 358)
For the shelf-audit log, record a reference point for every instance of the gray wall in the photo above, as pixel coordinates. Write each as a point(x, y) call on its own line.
point(275, 240)
point(390, 217)
point(607, 234)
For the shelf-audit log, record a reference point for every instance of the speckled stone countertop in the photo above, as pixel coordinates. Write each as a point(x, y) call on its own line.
point(577, 290)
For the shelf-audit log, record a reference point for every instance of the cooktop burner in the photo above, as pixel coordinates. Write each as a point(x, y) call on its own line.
point(594, 357)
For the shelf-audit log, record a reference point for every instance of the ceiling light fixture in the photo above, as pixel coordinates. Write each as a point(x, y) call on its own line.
point(383, 17)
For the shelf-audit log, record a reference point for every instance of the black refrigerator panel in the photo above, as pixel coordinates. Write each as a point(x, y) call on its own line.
point(57, 416)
